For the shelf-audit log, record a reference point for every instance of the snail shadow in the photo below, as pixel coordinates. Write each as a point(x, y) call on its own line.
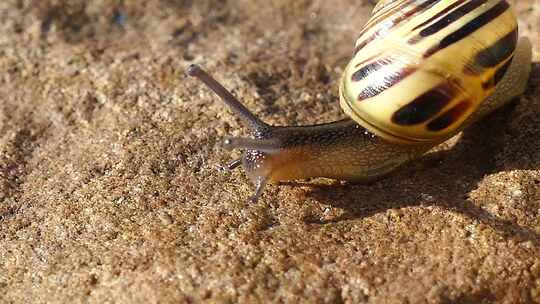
point(446, 178)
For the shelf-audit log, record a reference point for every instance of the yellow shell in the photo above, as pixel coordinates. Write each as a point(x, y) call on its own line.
point(421, 68)
point(380, 4)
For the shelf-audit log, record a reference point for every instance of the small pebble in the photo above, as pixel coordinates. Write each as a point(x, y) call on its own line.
point(165, 218)
point(517, 193)
point(426, 197)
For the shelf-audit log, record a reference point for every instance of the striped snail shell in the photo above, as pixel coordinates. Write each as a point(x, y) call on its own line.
point(421, 68)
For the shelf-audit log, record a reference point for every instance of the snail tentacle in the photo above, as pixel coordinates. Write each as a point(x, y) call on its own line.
point(264, 145)
point(249, 118)
point(260, 183)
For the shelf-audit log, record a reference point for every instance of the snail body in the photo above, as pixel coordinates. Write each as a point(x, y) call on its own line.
point(421, 72)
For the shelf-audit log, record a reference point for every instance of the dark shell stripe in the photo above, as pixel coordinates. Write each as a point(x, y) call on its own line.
point(498, 52)
point(397, 20)
point(372, 91)
point(449, 19)
point(383, 14)
point(425, 106)
point(364, 42)
point(469, 28)
point(381, 84)
point(370, 68)
point(493, 55)
point(439, 14)
point(369, 59)
point(499, 74)
point(449, 117)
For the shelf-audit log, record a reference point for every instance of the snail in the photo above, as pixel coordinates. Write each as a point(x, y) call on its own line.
point(422, 71)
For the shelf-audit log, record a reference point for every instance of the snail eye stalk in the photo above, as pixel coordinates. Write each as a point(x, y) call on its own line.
point(252, 121)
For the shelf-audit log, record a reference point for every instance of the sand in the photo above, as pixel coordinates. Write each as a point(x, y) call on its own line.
point(110, 188)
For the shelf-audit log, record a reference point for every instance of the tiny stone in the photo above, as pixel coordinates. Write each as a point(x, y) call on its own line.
point(305, 96)
point(165, 218)
point(426, 197)
point(517, 193)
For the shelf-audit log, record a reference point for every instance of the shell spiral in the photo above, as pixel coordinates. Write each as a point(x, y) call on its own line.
point(421, 68)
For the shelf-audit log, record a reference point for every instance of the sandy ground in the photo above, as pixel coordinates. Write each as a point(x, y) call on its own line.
point(109, 182)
